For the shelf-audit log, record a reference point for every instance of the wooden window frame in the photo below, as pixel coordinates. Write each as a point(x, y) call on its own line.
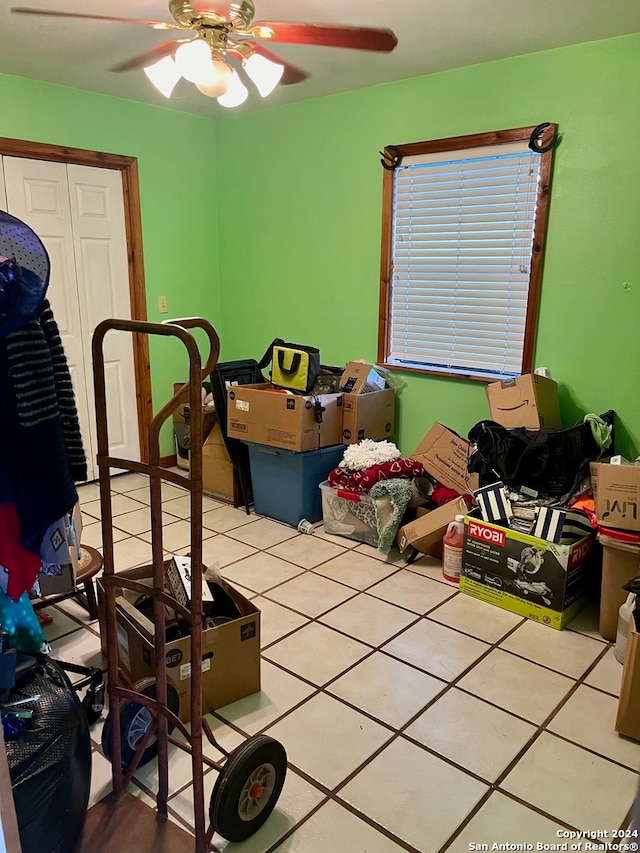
point(460, 143)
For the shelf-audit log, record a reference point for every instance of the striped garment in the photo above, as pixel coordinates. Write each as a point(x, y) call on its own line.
point(561, 525)
point(493, 502)
point(42, 384)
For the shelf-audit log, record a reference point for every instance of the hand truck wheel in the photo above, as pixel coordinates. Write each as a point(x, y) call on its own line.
point(93, 706)
point(135, 720)
point(248, 787)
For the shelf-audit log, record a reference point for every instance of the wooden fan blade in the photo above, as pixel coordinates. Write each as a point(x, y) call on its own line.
point(159, 25)
point(328, 35)
point(291, 73)
point(149, 56)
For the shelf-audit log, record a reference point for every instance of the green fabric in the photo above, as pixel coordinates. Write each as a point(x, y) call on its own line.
point(398, 492)
point(601, 431)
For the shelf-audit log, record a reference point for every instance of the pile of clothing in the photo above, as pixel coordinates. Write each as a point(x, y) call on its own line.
point(374, 490)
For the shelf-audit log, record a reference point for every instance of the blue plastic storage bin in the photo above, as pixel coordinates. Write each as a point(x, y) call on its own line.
point(285, 483)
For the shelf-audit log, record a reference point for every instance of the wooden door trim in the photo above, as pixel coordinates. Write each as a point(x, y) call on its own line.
point(128, 167)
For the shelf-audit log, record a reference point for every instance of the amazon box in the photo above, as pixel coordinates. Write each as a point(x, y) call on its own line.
point(369, 415)
point(529, 401)
point(444, 456)
point(261, 414)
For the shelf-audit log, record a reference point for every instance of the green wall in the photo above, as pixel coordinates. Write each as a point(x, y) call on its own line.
point(300, 211)
point(177, 166)
point(268, 223)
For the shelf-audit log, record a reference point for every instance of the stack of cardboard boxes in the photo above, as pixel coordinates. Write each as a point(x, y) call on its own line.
point(543, 580)
point(296, 440)
point(616, 488)
point(266, 417)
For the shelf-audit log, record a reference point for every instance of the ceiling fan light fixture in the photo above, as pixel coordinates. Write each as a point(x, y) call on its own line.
point(218, 81)
point(193, 60)
point(236, 94)
point(164, 75)
point(263, 73)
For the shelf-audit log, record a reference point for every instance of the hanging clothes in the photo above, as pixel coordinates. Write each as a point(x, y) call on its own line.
point(41, 452)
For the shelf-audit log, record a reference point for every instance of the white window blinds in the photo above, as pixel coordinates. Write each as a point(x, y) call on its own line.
point(462, 239)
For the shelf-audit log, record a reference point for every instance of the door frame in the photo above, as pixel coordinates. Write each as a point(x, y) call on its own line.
point(128, 168)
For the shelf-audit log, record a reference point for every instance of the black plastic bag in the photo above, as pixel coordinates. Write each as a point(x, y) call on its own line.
point(50, 763)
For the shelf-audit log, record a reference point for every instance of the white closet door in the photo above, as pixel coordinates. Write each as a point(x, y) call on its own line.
point(87, 281)
point(97, 214)
point(3, 192)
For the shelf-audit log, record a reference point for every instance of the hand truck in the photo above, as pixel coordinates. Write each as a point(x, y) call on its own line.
point(142, 715)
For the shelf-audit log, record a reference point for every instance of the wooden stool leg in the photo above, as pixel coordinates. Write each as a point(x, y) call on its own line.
point(90, 594)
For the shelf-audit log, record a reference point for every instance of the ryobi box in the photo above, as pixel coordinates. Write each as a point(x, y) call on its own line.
point(541, 580)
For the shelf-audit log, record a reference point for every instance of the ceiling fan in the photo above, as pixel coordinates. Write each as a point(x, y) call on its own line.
point(222, 40)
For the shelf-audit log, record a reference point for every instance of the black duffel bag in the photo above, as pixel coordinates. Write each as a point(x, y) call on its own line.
point(550, 462)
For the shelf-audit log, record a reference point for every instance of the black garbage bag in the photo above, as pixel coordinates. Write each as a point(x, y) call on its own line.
point(50, 763)
point(549, 462)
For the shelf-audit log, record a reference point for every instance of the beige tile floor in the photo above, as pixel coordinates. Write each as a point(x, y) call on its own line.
point(414, 718)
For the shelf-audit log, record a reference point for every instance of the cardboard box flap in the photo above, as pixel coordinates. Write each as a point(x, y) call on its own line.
point(129, 613)
point(426, 532)
point(360, 377)
point(444, 456)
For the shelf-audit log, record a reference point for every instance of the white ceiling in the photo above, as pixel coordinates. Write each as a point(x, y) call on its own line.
point(432, 36)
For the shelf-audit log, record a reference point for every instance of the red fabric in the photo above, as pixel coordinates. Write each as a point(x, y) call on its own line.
point(619, 535)
point(21, 564)
point(362, 481)
point(441, 495)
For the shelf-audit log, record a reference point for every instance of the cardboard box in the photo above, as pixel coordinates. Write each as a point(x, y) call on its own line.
point(359, 377)
point(181, 421)
point(628, 715)
point(543, 581)
point(230, 652)
point(616, 490)
point(620, 563)
point(426, 532)
point(444, 456)
point(529, 401)
point(218, 474)
point(262, 415)
point(368, 416)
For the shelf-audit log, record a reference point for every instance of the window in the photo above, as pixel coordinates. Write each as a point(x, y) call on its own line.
point(463, 231)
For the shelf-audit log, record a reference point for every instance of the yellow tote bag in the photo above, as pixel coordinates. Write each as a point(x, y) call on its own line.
point(295, 367)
